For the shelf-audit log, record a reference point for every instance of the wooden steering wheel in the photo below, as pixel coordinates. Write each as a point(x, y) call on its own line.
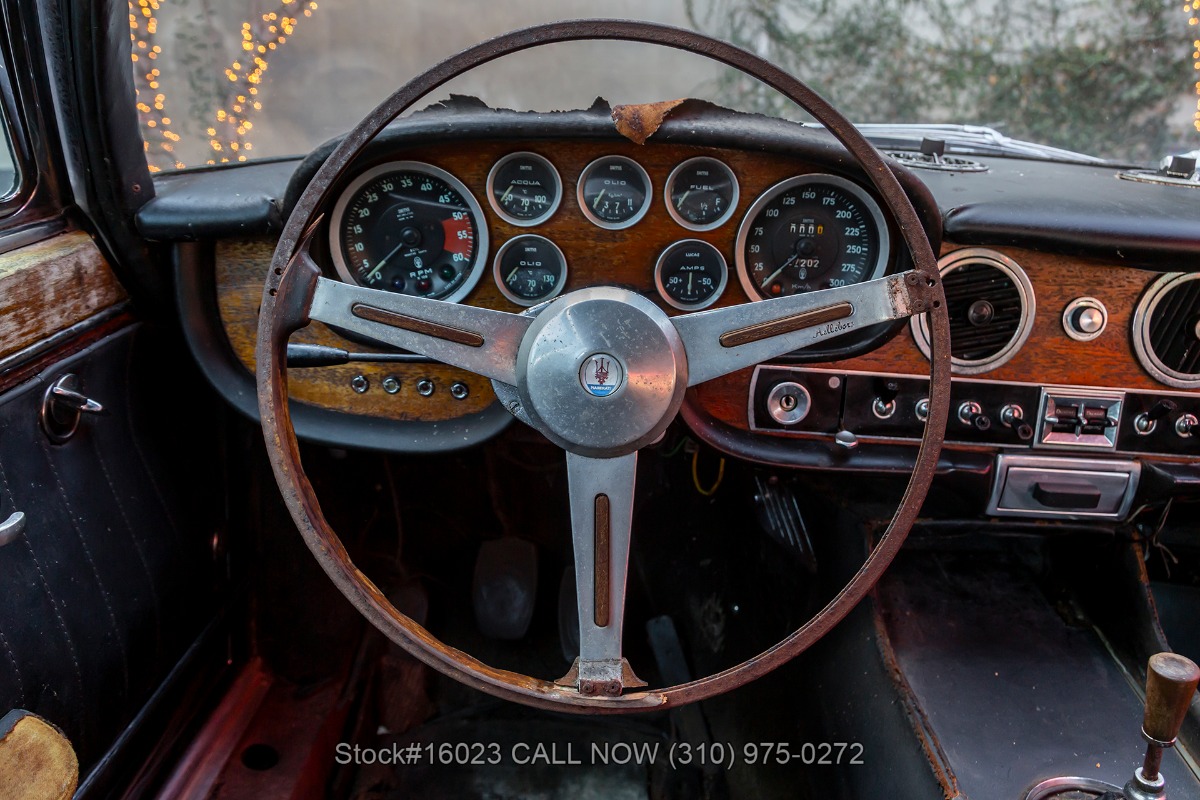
point(539, 362)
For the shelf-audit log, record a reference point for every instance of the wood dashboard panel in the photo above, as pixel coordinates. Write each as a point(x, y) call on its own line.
point(1048, 357)
point(594, 256)
point(627, 258)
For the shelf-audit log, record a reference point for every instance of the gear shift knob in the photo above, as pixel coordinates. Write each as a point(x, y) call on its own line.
point(1170, 683)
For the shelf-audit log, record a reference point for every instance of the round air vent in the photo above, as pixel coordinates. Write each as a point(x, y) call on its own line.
point(991, 306)
point(1166, 329)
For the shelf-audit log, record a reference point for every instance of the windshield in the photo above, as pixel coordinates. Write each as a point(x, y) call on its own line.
point(220, 81)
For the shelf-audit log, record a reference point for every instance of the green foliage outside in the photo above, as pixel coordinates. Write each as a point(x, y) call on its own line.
point(1112, 78)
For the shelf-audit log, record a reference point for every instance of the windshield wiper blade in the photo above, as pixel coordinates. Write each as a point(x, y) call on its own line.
point(969, 139)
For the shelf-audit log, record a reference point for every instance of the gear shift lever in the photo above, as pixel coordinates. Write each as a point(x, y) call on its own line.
point(1170, 683)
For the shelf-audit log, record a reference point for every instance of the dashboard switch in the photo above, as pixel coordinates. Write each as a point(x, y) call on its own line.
point(971, 413)
point(922, 409)
point(1147, 421)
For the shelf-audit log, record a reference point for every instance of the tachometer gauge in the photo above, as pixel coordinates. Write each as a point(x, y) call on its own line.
point(691, 274)
point(530, 269)
point(410, 228)
point(701, 193)
point(614, 192)
point(524, 189)
point(810, 232)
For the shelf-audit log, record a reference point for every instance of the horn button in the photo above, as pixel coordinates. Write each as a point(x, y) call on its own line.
point(601, 372)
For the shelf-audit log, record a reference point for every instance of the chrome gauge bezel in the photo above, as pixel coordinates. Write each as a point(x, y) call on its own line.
point(692, 226)
point(516, 298)
point(602, 223)
point(662, 289)
point(858, 192)
point(1140, 331)
point(970, 255)
point(477, 268)
point(504, 215)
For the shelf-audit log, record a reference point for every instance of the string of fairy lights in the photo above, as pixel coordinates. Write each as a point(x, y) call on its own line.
point(231, 123)
point(1192, 9)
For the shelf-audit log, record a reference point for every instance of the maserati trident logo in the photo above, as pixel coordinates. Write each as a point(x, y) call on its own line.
point(601, 374)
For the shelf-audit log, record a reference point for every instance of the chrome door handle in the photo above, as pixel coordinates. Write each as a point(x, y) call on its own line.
point(63, 406)
point(12, 527)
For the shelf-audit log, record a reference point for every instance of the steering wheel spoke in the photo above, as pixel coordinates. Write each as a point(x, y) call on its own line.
point(601, 520)
point(476, 339)
point(725, 340)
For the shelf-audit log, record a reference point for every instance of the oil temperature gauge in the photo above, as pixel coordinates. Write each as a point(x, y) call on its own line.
point(691, 274)
point(530, 269)
point(701, 193)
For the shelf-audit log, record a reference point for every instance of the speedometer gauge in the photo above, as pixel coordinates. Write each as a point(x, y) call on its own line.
point(409, 228)
point(810, 232)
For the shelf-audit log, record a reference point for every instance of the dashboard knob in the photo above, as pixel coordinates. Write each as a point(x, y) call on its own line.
point(1186, 425)
point(1084, 319)
point(1011, 414)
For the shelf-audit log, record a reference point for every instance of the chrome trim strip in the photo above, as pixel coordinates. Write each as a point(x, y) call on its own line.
point(1140, 331)
point(968, 255)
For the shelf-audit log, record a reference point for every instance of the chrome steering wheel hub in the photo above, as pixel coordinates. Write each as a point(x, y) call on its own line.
point(601, 372)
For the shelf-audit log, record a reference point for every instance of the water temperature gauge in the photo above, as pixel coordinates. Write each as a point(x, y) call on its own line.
point(691, 274)
point(524, 189)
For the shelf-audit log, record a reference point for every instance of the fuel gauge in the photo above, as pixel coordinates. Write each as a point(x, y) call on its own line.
point(701, 193)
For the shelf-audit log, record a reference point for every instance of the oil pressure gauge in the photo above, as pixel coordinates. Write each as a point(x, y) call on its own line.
point(691, 274)
point(614, 192)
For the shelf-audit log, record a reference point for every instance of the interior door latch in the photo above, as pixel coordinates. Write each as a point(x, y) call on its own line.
point(63, 406)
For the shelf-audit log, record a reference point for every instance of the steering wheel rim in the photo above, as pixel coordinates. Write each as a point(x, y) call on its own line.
point(288, 297)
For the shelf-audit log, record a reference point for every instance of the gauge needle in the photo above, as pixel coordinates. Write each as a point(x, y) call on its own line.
point(690, 274)
point(512, 275)
point(596, 202)
point(504, 196)
point(776, 273)
point(679, 205)
point(379, 266)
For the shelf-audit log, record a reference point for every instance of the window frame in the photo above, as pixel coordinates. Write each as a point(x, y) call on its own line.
point(36, 207)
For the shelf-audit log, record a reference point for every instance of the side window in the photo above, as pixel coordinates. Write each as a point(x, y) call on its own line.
point(31, 189)
point(10, 171)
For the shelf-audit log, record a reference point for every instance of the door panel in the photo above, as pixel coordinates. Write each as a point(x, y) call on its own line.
point(113, 577)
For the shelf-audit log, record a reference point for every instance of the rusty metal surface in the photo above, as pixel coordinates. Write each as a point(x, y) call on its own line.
point(298, 494)
point(638, 123)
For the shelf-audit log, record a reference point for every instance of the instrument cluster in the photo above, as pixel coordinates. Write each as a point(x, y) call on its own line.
point(413, 228)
